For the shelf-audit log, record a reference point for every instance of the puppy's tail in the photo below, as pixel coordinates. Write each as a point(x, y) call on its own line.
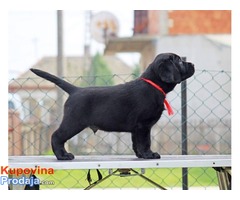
point(67, 87)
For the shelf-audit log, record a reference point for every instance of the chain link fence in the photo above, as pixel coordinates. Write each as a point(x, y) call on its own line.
point(33, 117)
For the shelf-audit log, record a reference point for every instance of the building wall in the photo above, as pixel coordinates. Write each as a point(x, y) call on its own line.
point(161, 22)
point(153, 18)
point(200, 22)
point(205, 53)
point(207, 56)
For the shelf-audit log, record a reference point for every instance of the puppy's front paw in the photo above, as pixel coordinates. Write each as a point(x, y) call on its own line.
point(151, 155)
point(156, 155)
point(66, 156)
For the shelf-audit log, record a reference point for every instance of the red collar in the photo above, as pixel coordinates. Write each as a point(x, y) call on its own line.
point(169, 108)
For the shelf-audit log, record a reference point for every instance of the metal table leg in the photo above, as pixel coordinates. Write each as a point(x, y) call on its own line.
point(224, 177)
point(124, 173)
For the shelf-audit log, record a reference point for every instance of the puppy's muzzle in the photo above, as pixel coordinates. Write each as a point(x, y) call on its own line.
point(187, 69)
point(191, 69)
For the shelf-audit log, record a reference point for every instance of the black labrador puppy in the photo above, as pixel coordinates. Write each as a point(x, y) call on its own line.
point(131, 107)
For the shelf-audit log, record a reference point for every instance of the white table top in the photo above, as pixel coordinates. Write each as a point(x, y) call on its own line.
point(122, 161)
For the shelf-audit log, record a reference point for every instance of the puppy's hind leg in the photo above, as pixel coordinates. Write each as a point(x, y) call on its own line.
point(58, 147)
point(134, 145)
point(61, 135)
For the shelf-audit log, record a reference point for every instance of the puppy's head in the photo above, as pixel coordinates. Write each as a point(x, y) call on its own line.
point(171, 68)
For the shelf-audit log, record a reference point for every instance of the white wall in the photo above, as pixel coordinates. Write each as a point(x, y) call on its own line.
point(208, 91)
point(205, 53)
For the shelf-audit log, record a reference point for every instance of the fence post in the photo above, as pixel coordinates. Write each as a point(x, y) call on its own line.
point(59, 60)
point(184, 130)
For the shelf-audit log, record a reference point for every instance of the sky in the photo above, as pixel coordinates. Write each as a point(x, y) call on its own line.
point(33, 35)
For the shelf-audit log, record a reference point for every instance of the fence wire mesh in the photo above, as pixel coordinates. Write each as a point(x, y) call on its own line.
point(33, 117)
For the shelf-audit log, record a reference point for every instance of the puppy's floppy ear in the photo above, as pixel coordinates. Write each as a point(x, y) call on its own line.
point(169, 73)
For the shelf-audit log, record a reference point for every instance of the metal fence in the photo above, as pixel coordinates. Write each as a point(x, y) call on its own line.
point(33, 117)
